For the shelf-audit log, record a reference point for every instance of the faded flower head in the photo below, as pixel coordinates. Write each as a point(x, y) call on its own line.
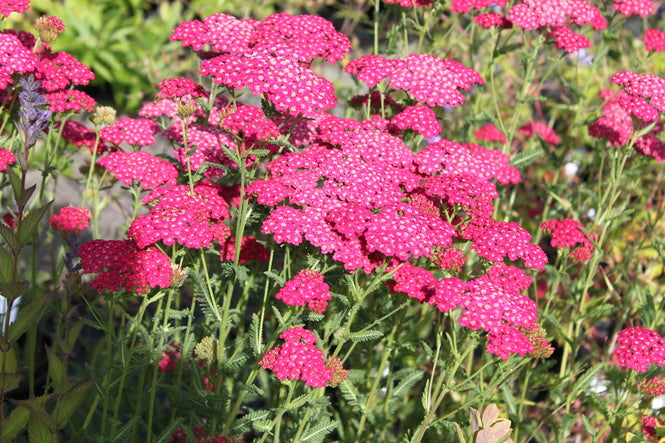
point(49, 28)
point(103, 116)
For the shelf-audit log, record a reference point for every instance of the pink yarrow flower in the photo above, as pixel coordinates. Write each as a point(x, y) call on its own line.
point(120, 264)
point(6, 158)
point(643, 8)
point(638, 348)
point(140, 167)
point(299, 359)
point(490, 132)
point(653, 386)
point(307, 287)
point(9, 6)
point(70, 219)
point(568, 233)
point(136, 132)
point(654, 40)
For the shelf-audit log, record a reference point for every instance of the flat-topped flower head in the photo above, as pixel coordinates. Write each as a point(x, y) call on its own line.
point(492, 19)
point(222, 32)
point(14, 58)
point(299, 359)
point(193, 220)
point(643, 8)
point(568, 233)
point(306, 288)
point(490, 132)
point(654, 40)
point(538, 129)
point(120, 264)
point(649, 425)
point(180, 87)
point(140, 167)
point(59, 70)
point(638, 348)
point(6, 158)
point(133, 131)
point(419, 118)
point(654, 386)
point(9, 6)
point(568, 40)
point(65, 100)
point(71, 219)
point(302, 37)
point(291, 87)
point(425, 77)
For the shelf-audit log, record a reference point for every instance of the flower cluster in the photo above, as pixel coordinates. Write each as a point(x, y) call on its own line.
point(135, 132)
point(299, 359)
point(638, 348)
point(568, 233)
point(70, 219)
point(6, 158)
point(653, 386)
point(307, 287)
point(649, 426)
point(140, 167)
point(654, 40)
point(193, 220)
point(645, 94)
point(121, 264)
point(425, 77)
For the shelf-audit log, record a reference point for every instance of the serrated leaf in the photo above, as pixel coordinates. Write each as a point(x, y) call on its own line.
point(68, 403)
point(298, 402)
point(249, 419)
point(363, 336)
point(319, 431)
point(585, 379)
point(407, 382)
point(167, 433)
point(509, 399)
point(12, 425)
point(27, 316)
point(56, 368)
point(29, 224)
point(14, 289)
point(255, 337)
point(38, 431)
point(351, 395)
point(6, 265)
point(10, 237)
point(524, 159)
point(74, 332)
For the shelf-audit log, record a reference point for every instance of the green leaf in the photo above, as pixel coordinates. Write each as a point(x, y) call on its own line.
point(13, 289)
point(352, 396)
point(6, 265)
point(525, 158)
point(10, 237)
point(68, 402)
point(298, 402)
point(29, 224)
point(12, 425)
point(38, 431)
point(509, 399)
point(319, 431)
point(27, 317)
point(247, 421)
point(582, 383)
point(255, 338)
point(362, 336)
point(406, 382)
point(56, 368)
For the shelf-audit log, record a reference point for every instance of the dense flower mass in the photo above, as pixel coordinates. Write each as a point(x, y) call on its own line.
point(135, 132)
point(6, 158)
point(428, 79)
point(120, 264)
point(140, 167)
point(307, 287)
point(194, 220)
point(9, 6)
point(299, 359)
point(638, 348)
point(643, 8)
point(14, 58)
point(569, 233)
point(654, 40)
point(71, 219)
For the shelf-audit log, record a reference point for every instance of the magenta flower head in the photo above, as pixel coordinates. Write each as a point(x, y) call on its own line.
point(638, 348)
point(9, 6)
point(568, 233)
point(299, 359)
point(70, 219)
point(307, 287)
